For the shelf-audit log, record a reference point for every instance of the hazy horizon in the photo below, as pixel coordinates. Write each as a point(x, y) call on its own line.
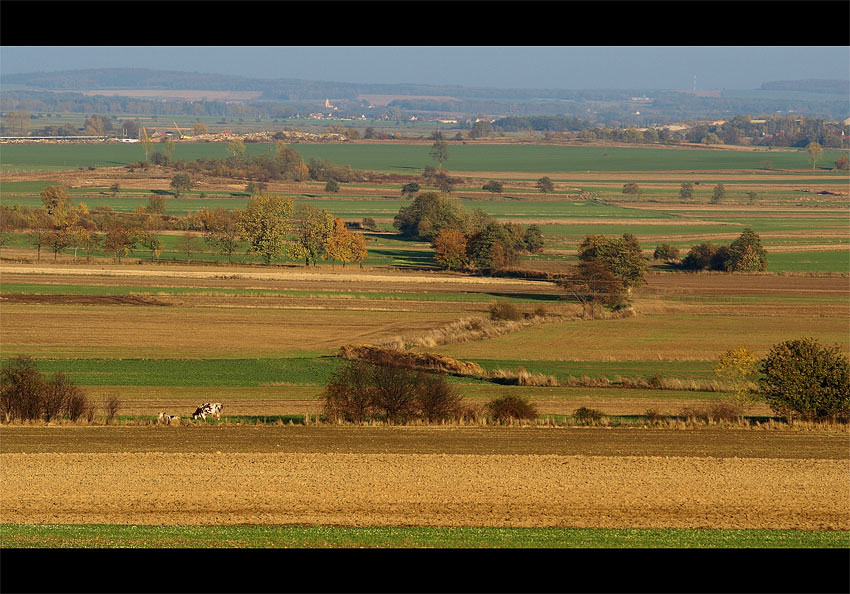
point(585, 67)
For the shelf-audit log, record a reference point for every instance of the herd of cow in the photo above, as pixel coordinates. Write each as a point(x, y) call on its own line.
point(212, 409)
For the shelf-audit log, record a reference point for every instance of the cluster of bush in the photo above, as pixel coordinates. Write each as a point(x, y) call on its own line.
point(387, 390)
point(465, 240)
point(28, 395)
point(745, 254)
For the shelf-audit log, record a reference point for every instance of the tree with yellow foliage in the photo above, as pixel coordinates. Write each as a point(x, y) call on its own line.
point(739, 366)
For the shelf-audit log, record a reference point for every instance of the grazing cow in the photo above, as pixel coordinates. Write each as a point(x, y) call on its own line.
point(208, 408)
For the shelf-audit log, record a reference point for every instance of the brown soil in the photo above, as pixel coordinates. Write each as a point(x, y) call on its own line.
point(437, 477)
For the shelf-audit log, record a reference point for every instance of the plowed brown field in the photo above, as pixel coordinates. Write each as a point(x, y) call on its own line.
point(425, 476)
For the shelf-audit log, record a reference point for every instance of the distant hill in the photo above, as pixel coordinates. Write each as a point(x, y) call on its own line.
point(811, 85)
point(279, 97)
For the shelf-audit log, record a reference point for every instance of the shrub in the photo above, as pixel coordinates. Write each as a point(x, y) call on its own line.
point(348, 396)
point(508, 408)
point(631, 188)
point(26, 396)
point(587, 416)
point(653, 416)
point(363, 390)
point(111, 406)
point(332, 186)
point(504, 311)
point(437, 400)
point(666, 252)
point(802, 377)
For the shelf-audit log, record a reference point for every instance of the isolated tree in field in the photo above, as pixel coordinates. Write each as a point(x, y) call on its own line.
point(450, 249)
point(686, 191)
point(751, 197)
point(409, 189)
point(180, 183)
point(592, 284)
point(746, 253)
point(369, 224)
point(631, 188)
point(815, 151)
point(622, 255)
point(265, 224)
point(200, 128)
point(666, 252)
point(146, 142)
point(119, 241)
point(332, 186)
point(168, 148)
point(188, 244)
point(545, 185)
point(739, 367)
point(55, 200)
point(718, 194)
point(312, 233)
point(842, 163)
point(804, 378)
point(493, 186)
point(440, 152)
point(237, 149)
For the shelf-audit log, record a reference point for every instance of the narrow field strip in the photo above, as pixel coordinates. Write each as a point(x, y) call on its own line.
point(301, 536)
point(543, 491)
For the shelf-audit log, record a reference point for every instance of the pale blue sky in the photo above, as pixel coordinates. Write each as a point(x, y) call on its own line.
point(604, 67)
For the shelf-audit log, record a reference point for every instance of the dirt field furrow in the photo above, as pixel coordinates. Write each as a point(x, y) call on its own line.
point(425, 489)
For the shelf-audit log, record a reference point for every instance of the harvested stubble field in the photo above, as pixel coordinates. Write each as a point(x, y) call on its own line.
point(358, 476)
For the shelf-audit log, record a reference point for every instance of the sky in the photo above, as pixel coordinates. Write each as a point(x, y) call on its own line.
point(573, 67)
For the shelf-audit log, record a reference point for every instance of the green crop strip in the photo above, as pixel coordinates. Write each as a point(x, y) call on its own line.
point(121, 536)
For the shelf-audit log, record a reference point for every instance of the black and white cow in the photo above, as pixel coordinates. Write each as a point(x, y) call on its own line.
point(208, 408)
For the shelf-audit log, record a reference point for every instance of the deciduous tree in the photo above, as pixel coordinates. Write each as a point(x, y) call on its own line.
point(181, 183)
point(746, 253)
point(493, 186)
point(815, 151)
point(739, 366)
point(450, 249)
point(265, 224)
point(804, 378)
point(440, 152)
point(312, 233)
point(545, 185)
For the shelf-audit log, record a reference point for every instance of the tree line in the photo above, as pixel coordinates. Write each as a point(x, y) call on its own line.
point(271, 226)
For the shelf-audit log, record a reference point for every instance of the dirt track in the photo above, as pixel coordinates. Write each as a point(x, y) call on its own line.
point(497, 477)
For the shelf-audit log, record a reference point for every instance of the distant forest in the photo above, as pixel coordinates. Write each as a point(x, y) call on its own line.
point(281, 98)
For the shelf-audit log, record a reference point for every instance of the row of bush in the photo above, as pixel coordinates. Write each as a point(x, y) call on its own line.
point(28, 395)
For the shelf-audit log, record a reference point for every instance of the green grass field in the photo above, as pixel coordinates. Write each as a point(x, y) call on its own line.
point(412, 158)
point(119, 536)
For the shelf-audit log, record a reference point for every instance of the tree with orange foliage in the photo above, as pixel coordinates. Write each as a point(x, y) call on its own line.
point(450, 246)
